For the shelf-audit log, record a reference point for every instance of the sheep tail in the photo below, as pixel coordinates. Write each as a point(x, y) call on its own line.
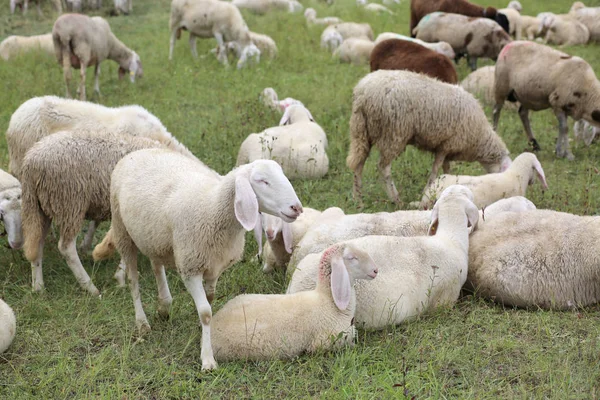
point(359, 141)
point(34, 222)
point(104, 249)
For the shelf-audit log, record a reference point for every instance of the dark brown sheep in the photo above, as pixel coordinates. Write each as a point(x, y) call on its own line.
point(410, 56)
point(420, 8)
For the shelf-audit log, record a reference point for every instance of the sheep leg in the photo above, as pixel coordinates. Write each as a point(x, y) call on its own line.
point(524, 115)
point(66, 53)
point(446, 166)
point(172, 42)
point(81, 90)
point(97, 79)
point(209, 288)
point(120, 274)
point(69, 252)
point(437, 163)
point(562, 144)
point(194, 286)
point(193, 45)
point(129, 255)
point(496, 114)
point(357, 187)
point(472, 61)
point(164, 294)
point(25, 7)
point(385, 171)
point(221, 49)
point(86, 243)
point(37, 278)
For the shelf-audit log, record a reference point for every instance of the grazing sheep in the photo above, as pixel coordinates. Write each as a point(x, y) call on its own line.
point(404, 55)
point(450, 123)
point(311, 18)
point(513, 13)
point(540, 258)
point(182, 214)
point(480, 83)
point(24, 5)
point(69, 196)
point(264, 43)
point(355, 51)
point(540, 77)
point(416, 274)
point(475, 37)
point(265, 326)
point(490, 188)
point(269, 98)
point(264, 6)
point(8, 326)
point(589, 16)
point(13, 46)
point(330, 39)
point(299, 145)
point(123, 6)
point(10, 208)
point(81, 41)
point(420, 8)
point(585, 132)
point(208, 19)
point(439, 47)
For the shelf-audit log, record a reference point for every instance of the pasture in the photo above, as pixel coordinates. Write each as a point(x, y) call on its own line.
point(70, 345)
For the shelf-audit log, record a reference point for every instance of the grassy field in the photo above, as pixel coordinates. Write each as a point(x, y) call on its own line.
point(70, 345)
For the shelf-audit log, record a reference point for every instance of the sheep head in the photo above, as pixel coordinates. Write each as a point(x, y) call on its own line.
point(10, 212)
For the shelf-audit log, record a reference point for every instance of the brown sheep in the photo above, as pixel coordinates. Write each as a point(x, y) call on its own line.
point(410, 56)
point(420, 8)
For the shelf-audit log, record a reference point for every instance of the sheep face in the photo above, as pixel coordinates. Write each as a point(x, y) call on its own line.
point(272, 226)
point(10, 212)
point(310, 13)
point(359, 264)
point(502, 20)
point(248, 53)
point(515, 5)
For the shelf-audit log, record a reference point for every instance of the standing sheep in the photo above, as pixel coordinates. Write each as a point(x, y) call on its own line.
point(12, 46)
point(355, 51)
point(480, 83)
point(439, 47)
point(449, 122)
point(264, 6)
point(409, 56)
point(311, 18)
point(81, 41)
point(183, 215)
point(8, 326)
point(540, 77)
point(10, 209)
point(334, 35)
point(513, 13)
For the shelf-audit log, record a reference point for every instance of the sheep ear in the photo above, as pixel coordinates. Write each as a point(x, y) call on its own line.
point(285, 119)
point(310, 115)
point(288, 238)
point(245, 204)
point(540, 173)
point(472, 216)
point(434, 222)
point(258, 233)
point(340, 282)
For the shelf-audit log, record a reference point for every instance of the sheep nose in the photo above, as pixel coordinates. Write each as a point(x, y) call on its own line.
point(297, 209)
point(15, 245)
point(376, 270)
point(270, 234)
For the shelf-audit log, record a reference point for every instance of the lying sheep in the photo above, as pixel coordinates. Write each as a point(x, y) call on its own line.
point(563, 30)
point(8, 326)
point(333, 36)
point(269, 98)
point(355, 51)
point(585, 132)
point(480, 83)
point(439, 47)
point(311, 18)
point(416, 274)
point(473, 37)
point(265, 44)
point(13, 46)
point(81, 41)
point(373, 7)
point(530, 27)
point(450, 123)
point(264, 6)
point(149, 188)
point(420, 8)
point(404, 55)
point(299, 145)
point(513, 13)
point(490, 188)
point(589, 16)
point(123, 6)
point(331, 39)
point(10, 208)
point(540, 258)
point(208, 19)
point(540, 77)
point(68, 196)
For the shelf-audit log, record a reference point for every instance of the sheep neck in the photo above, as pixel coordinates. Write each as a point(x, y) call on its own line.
point(119, 52)
point(453, 225)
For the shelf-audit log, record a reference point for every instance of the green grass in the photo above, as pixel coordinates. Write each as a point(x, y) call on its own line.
point(70, 345)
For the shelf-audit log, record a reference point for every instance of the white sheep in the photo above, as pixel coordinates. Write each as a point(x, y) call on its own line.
point(8, 326)
point(10, 208)
point(373, 7)
point(490, 188)
point(355, 51)
point(123, 6)
point(184, 215)
point(480, 83)
point(265, 44)
point(589, 16)
point(264, 6)
point(585, 132)
point(311, 18)
point(81, 41)
point(13, 46)
point(269, 98)
point(331, 39)
point(334, 35)
point(439, 47)
point(24, 5)
point(562, 30)
point(513, 13)
point(299, 145)
point(208, 19)
point(530, 27)
point(416, 274)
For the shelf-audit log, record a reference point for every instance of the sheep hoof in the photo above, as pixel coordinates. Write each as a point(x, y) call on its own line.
point(209, 364)
point(143, 327)
point(535, 145)
point(164, 312)
point(91, 289)
point(267, 268)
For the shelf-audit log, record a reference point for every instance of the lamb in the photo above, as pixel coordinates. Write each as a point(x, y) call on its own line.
point(589, 16)
point(149, 190)
point(416, 274)
point(540, 77)
point(123, 6)
point(13, 46)
point(585, 132)
point(480, 83)
point(68, 196)
point(334, 35)
point(311, 18)
point(475, 37)
point(263, 6)
point(404, 55)
point(450, 123)
point(331, 39)
point(207, 19)
point(8, 326)
point(10, 208)
point(263, 326)
point(439, 47)
point(81, 41)
point(265, 44)
point(541, 258)
point(299, 146)
point(492, 187)
point(513, 13)
point(530, 27)
point(355, 51)
point(563, 30)
point(269, 98)
point(420, 8)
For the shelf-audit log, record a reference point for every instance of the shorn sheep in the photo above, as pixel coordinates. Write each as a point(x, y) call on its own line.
point(8, 326)
point(208, 19)
point(409, 56)
point(69, 196)
point(449, 123)
point(81, 41)
point(490, 188)
point(416, 274)
point(540, 77)
point(539, 258)
point(182, 214)
point(13, 46)
point(355, 51)
point(420, 8)
point(263, 326)
point(439, 47)
point(10, 208)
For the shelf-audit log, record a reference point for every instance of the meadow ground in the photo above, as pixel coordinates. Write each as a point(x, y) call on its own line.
point(70, 345)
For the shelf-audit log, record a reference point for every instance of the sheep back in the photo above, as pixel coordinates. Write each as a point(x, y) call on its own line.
point(420, 8)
